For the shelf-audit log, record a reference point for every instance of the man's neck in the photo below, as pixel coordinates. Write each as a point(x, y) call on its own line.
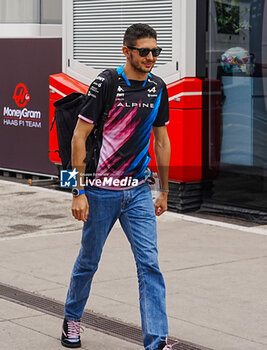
point(133, 74)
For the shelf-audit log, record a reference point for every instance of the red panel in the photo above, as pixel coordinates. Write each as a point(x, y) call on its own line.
point(188, 91)
point(66, 85)
point(53, 143)
point(185, 133)
point(186, 141)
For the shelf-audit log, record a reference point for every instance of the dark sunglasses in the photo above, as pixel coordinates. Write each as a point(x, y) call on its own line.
point(143, 52)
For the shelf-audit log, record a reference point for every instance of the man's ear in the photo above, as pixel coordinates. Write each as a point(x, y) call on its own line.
point(126, 51)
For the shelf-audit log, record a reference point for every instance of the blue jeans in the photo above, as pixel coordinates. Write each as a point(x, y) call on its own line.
point(134, 208)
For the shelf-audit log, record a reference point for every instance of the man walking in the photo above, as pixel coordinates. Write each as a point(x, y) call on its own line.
point(140, 106)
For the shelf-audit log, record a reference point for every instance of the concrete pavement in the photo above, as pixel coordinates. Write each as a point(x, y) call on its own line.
point(215, 275)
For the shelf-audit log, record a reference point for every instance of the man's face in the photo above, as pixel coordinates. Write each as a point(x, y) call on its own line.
point(143, 64)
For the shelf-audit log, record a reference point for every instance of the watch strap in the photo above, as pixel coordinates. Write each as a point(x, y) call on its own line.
point(76, 192)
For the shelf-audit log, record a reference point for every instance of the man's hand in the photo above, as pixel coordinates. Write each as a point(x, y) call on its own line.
point(160, 203)
point(80, 208)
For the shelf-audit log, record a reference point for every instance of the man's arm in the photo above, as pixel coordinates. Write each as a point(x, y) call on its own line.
point(80, 206)
point(162, 151)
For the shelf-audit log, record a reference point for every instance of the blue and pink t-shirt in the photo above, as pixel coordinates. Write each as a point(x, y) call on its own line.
point(139, 106)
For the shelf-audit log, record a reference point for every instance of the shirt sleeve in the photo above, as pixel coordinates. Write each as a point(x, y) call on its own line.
point(95, 103)
point(163, 113)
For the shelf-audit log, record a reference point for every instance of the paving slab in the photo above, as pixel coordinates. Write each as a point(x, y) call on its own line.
point(25, 280)
point(51, 327)
point(20, 338)
point(11, 311)
point(232, 306)
point(43, 332)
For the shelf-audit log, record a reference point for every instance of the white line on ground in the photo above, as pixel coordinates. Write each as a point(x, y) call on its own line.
point(261, 230)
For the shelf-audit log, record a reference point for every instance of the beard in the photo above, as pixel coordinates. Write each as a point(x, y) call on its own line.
point(139, 67)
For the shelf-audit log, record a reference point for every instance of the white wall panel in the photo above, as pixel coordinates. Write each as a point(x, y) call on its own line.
point(99, 26)
point(94, 29)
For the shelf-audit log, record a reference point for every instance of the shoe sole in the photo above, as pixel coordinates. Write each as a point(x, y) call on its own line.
point(71, 345)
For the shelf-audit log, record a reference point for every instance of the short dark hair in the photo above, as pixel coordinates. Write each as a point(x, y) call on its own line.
point(138, 31)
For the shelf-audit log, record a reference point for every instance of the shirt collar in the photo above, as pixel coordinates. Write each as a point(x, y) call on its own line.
point(121, 72)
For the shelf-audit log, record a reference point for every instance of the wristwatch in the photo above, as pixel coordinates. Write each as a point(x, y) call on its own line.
point(76, 192)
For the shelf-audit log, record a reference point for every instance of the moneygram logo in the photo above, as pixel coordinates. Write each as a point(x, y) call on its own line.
point(21, 95)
